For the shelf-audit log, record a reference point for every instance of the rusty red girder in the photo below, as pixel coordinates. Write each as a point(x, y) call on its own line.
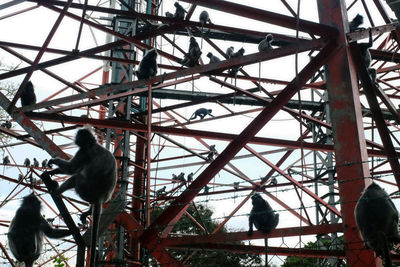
point(39, 55)
point(149, 238)
point(190, 132)
point(348, 135)
point(370, 92)
point(240, 236)
point(352, 150)
point(266, 16)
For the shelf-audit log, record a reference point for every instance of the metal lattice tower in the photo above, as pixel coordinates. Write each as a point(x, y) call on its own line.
point(303, 124)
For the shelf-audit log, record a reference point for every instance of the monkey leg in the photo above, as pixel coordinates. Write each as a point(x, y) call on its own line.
point(85, 214)
point(385, 249)
point(68, 184)
point(96, 208)
point(250, 232)
point(51, 185)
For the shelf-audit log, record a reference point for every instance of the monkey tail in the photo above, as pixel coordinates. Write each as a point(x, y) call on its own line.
point(386, 250)
point(96, 210)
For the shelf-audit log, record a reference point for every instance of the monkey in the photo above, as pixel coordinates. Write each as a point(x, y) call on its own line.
point(93, 171)
point(35, 163)
point(193, 55)
point(28, 96)
point(190, 177)
point(229, 52)
point(236, 185)
point(179, 12)
point(395, 7)
point(27, 162)
point(366, 55)
point(211, 154)
point(262, 216)
point(147, 66)
point(206, 189)
point(266, 44)
point(204, 18)
point(44, 163)
point(7, 124)
point(201, 112)
point(161, 191)
point(355, 22)
point(181, 177)
point(213, 59)
point(377, 219)
point(234, 70)
point(273, 181)
point(20, 177)
point(6, 160)
point(174, 178)
point(27, 230)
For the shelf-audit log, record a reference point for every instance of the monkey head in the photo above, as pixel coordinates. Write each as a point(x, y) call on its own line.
point(32, 202)
point(359, 19)
point(241, 51)
point(152, 54)
point(193, 40)
point(257, 200)
point(84, 138)
point(269, 37)
point(209, 54)
point(176, 4)
point(209, 110)
point(29, 87)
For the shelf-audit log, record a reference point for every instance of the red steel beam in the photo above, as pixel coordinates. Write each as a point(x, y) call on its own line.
point(369, 90)
point(348, 133)
point(245, 60)
point(133, 227)
point(171, 213)
point(39, 55)
point(241, 236)
point(64, 59)
point(267, 16)
point(177, 24)
point(188, 132)
point(294, 182)
point(7, 255)
point(282, 251)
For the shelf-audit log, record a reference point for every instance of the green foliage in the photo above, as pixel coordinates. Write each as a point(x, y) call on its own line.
point(59, 261)
point(293, 261)
point(198, 257)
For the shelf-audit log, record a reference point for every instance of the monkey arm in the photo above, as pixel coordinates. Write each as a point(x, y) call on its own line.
point(68, 166)
point(251, 220)
point(51, 232)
